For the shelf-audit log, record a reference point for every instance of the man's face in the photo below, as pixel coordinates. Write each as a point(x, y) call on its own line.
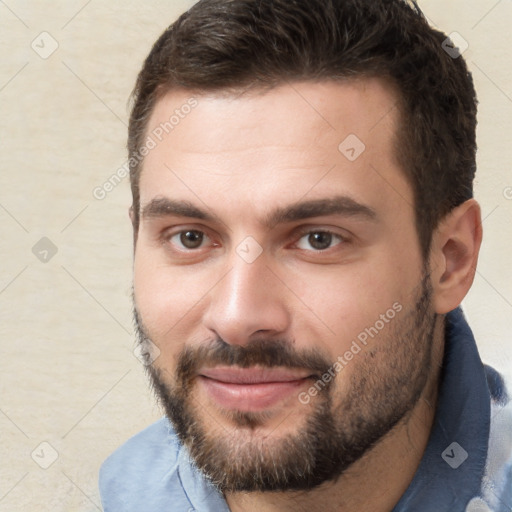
point(278, 271)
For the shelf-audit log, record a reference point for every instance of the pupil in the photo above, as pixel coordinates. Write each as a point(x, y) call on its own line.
point(320, 240)
point(191, 239)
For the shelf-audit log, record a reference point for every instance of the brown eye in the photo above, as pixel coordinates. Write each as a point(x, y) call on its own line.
point(191, 239)
point(319, 241)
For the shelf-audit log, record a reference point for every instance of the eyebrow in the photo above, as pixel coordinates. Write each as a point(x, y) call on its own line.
point(165, 207)
point(337, 205)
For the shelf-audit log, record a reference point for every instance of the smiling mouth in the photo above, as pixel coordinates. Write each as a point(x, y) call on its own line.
point(252, 389)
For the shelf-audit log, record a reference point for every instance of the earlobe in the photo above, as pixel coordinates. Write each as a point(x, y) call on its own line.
point(454, 255)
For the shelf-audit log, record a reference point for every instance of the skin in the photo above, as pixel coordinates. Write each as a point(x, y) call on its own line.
point(241, 158)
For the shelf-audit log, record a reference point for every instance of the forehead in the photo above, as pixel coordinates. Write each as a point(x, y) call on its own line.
point(273, 146)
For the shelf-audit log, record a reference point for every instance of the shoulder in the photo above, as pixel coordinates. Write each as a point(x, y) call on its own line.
point(154, 442)
point(497, 482)
point(137, 470)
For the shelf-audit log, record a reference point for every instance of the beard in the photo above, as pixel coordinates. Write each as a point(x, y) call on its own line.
point(340, 427)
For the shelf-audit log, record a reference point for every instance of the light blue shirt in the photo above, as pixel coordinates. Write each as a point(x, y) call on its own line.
point(152, 472)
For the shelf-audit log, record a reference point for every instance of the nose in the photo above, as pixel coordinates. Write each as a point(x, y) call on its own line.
point(248, 303)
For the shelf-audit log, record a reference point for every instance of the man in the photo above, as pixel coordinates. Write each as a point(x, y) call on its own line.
point(304, 234)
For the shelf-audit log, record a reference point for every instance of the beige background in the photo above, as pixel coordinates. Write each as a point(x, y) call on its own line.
point(68, 376)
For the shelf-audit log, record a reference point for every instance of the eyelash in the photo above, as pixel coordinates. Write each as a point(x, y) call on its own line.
point(169, 236)
point(341, 240)
point(308, 232)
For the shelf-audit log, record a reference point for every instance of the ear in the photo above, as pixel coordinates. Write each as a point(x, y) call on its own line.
point(454, 255)
point(131, 213)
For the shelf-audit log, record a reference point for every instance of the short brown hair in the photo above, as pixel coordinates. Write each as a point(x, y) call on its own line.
point(237, 44)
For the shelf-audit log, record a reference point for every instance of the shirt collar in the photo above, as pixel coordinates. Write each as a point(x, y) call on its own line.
point(200, 492)
point(445, 478)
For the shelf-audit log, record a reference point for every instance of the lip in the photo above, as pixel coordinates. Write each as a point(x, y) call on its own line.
point(253, 375)
point(251, 389)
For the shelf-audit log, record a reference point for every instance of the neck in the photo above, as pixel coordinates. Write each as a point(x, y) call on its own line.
point(378, 480)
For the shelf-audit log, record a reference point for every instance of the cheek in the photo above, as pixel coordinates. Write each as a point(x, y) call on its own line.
point(341, 303)
point(168, 299)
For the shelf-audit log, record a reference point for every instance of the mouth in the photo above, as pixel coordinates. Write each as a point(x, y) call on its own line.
point(251, 389)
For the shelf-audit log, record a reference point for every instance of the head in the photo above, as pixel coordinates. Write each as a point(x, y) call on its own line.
point(307, 217)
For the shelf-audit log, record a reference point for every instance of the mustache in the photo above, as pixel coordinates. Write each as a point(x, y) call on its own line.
point(257, 352)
